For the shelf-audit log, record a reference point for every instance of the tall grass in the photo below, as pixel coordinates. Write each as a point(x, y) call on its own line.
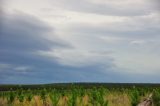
point(97, 96)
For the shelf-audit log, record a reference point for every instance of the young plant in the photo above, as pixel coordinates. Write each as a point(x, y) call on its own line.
point(11, 97)
point(156, 98)
point(135, 97)
point(29, 97)
point(73, 97)
point(54, 98)
point(21, 97)
point(43, 95)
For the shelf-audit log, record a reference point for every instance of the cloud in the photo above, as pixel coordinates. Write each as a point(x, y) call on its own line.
point(107, 7)
point(111, 39)
point(22, 36)
point(10, 69)
point(131, 27)
point(4, 66)
point(135, 37)
point(78, 58)
point(22, 68)
point(87, 40)
point(24, 32)
point(156, 4)
point(138, 42)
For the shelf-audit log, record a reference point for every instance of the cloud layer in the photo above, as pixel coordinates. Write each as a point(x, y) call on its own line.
point(73, 41)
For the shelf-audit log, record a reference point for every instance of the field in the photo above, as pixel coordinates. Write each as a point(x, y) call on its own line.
point(78, 94)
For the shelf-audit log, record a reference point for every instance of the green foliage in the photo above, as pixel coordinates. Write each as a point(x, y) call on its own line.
point(135, 97)
point(73, 98)
point(97, 95)
point(54, 96)
point(43, 94)
point(21, 98)
point(20, 95)
point(156, 97)
point(11, 97)
point(29, 97)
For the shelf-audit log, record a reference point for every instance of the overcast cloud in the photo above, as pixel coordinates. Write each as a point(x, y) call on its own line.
point(79, 41)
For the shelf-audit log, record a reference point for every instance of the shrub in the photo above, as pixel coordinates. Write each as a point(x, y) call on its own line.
point(21, 98)
point(29, 97)
point(156, 98)
point(11, 97)
point(54, 96)
point(135, 98)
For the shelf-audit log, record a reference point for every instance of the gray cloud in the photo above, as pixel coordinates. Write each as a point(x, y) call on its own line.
point(134, 27)
point(20, 36)
point(1, 5)
point(156, 4)
point(107, 7)
point(101, 51)
point(24, 32)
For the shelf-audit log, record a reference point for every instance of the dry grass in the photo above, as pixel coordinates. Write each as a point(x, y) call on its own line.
point(63, 101)
point(118, 99)
point(85, 100)
point(3, 101)
point(113, 98)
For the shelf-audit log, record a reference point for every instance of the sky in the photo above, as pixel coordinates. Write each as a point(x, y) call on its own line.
point(55, 41)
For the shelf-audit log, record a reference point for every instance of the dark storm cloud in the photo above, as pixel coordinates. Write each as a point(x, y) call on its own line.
point(20, 36)
point(24, 32)
point(23, 35)
point(50, 73)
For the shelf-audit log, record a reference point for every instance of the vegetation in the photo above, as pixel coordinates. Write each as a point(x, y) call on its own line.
point(78, 95)
point(156, 97)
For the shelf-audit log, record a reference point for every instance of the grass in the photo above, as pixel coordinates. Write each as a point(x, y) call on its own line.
point(76, 95)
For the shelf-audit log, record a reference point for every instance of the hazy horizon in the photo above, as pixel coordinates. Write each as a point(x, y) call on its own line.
point(52, 41)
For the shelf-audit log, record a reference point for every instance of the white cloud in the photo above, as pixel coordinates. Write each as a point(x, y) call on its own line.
point(138, 42)
point(107, 7)
point(78, 58)
point(12, 67)
point(22, 68)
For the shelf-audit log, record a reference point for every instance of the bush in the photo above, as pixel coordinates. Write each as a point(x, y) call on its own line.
point(135, 97)
point(29, 97)
point(156, 98)
point(11, 97)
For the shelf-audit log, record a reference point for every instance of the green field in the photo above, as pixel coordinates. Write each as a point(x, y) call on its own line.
point(78, 94)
